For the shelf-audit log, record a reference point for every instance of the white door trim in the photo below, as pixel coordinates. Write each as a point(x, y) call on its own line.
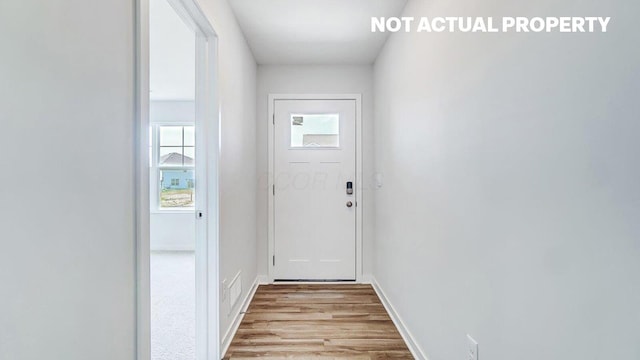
point(359, 205)
point(142, 185)
point(207, 123)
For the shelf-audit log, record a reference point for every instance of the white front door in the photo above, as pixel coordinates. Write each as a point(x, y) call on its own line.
point(315, 185)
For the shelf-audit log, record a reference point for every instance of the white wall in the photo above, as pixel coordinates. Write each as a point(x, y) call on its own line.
point(172, 111)
point(511, 202)
point(67, 247)
point(237, 77)
point(173, 231)
point(172, 54)
point(272, 79)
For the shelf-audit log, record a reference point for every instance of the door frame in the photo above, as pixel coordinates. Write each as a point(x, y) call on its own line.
point(207, 234)
point(271, 144)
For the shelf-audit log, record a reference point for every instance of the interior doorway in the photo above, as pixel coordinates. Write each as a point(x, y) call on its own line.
point(177, 183)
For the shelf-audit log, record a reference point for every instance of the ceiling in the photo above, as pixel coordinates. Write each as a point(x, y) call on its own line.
point(313, 31)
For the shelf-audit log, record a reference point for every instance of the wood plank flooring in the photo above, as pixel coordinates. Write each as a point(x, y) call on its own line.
point(317, 321)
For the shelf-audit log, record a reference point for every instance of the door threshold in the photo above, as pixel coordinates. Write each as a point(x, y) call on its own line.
point(309, 281)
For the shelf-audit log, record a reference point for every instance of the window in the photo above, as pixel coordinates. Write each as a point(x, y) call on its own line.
point(175, 161)
point(315, 130)
point(176, 145)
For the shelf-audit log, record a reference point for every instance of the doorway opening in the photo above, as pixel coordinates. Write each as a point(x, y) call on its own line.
point(177, 182)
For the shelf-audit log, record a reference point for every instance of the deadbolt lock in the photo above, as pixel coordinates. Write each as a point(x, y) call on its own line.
point(349, 188)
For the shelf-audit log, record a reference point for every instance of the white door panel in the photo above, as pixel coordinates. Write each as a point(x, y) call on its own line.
point(314, 153)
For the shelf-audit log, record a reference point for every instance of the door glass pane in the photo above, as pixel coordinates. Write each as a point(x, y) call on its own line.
point(315, 130)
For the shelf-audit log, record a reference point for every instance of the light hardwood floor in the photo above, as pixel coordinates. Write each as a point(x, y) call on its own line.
point(317, 321)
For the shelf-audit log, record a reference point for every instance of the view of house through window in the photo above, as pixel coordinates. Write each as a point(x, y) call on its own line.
point(176, 155)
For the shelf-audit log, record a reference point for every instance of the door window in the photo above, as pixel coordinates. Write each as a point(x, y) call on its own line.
point(315, 130)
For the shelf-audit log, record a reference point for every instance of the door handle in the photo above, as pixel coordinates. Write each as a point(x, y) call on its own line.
point(349, 204)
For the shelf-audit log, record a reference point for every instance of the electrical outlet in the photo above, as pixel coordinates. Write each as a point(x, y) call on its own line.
point(472, 348)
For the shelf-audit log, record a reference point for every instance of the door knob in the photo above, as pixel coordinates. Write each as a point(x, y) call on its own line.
point(349, 204)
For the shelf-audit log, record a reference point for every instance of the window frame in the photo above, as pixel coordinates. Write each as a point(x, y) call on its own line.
point(156, 169)
point(159, 146)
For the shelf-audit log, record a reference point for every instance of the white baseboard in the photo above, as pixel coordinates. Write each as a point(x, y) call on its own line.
point(237, 317)
point(415, 349)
